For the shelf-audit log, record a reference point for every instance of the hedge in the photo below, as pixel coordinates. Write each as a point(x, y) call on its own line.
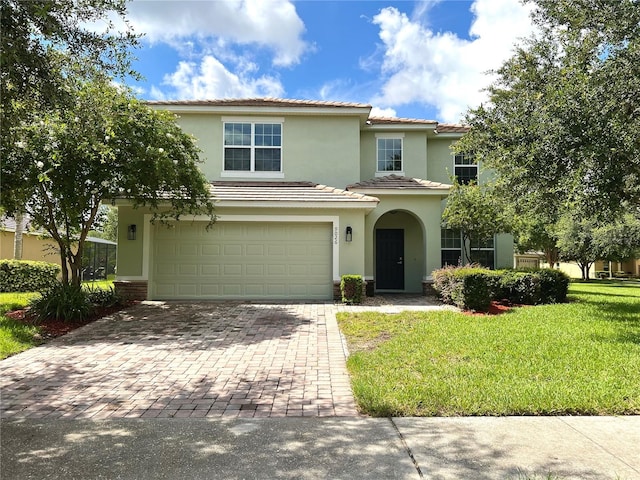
point(27, 276)
point(472, 288)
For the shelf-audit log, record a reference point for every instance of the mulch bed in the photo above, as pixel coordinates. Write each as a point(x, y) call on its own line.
point(496, 308)
point(52, 328)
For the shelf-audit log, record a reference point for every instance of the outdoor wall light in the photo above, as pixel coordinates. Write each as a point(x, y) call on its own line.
point(348, 236)
point(131, 232)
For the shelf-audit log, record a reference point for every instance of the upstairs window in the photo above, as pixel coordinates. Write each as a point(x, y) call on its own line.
point(465, 169)
point(389, 154)
point(252, 147)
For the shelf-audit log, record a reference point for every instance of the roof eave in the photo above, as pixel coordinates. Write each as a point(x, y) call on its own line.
point(443, 191)
point(257, 110)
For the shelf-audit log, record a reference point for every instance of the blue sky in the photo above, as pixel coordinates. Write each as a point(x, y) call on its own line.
point(408, 59)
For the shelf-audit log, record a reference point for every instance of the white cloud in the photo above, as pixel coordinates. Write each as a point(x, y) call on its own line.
point(274, 24)
point(383, 112)
point(211, 79)
point(442, 69)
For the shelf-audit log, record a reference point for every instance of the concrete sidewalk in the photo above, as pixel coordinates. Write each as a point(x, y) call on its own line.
point(520, 448)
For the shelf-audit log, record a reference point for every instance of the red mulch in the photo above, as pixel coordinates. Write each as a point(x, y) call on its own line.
point(52, 328)
point(496, 308)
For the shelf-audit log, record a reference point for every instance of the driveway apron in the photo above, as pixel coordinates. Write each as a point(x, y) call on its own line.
point(205, 359)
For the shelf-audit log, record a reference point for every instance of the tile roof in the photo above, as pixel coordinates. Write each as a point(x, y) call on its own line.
point(398, 182)
point(452, 128)
point(259, 102)
point(299, 192)
point(399, 121)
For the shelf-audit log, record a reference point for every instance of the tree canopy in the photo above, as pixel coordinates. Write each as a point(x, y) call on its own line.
point(31, 29)
point(560, 126)
point(102, 144)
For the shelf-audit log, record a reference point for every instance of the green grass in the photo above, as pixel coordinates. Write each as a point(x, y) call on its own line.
point(103, 284)
point(582, 357)
point(15, 336)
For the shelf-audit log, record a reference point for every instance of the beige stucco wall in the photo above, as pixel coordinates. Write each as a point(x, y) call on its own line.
point(34, 247)
point(323, 150)
point(440, 160)
point(130, 252)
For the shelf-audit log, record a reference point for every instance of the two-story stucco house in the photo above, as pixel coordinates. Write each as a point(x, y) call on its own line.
point(306, 191)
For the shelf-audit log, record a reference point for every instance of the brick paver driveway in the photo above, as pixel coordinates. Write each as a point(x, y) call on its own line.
point(186, 360)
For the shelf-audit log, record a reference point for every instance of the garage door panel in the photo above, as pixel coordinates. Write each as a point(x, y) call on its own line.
point(185, 249)
point(232, 290)
point(319, 270)
point(232, 270)
point(187, 290)
point(276, 270)
point(253, 270)
point(210, 250)
point(253, 249)
point(275, 250)
point(185, 269)
point(231, 250)
point(243, 260)
point(210, 270)
point(298, 270)
point(210, 290)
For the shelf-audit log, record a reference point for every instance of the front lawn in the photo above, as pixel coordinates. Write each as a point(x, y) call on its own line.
point(15, 336)
point(582, 357)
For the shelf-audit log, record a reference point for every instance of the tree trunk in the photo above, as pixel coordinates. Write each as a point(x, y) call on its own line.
point(17, 239)
point(551, 256)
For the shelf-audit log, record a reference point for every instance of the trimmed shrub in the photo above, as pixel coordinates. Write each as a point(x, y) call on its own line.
point(351, 289)
point(474, 294)
point(554, 285)
point(519, 287)
point(62, 302)
point(444, 283)
point(27, 276)
point(472, 288)
point(465, 287)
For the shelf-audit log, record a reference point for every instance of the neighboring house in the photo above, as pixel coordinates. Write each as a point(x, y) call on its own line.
point(600, 268)
point(99, 257)
point(306, 191)
point(35, 245)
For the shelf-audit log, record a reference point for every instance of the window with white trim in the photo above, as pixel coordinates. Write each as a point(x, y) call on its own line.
point(483, 253)
point(464, 168)
point(450, 247)
point(252, 147)
point(389, 154)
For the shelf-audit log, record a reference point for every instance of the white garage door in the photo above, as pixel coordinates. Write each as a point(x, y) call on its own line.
point(251, 260)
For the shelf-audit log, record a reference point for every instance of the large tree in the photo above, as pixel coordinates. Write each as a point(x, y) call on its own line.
point(576, 241)
point(560, 126)
point(619, 240)
point(101, 145)
point(31, 29)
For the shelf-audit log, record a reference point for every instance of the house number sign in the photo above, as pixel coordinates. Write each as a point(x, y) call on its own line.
point(335, 235)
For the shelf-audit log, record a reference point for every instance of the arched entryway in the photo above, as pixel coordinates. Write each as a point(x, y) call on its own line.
point(399, 252)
